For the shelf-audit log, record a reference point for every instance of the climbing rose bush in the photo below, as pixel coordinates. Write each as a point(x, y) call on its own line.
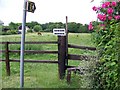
point(106, 36)
point(106, 12)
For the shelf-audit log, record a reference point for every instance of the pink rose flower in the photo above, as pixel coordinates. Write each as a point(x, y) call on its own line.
point(101, 17)
point(95, 8)
point(117, 17)
point(103, 5)
point(110, 10)
point(109, 17)
point(106, 4)
point(113, 4)
point(90, 27)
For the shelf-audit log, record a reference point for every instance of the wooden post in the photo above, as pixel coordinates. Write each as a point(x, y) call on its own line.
point(7, 59)
point(61, 56)
point(66, 60)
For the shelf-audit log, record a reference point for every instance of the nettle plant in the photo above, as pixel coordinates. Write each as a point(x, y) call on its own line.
point(107, 38)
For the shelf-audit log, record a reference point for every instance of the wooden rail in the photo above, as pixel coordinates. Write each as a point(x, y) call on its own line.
point(33, 61)
point(31, 51)
point(7, 60)
point(2, 60)
point(81, 57)
point(35, 51)
point(81, 47)
point(62, 52)
point(43, 42)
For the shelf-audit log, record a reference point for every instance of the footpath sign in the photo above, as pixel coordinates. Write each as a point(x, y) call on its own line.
point(59, 32)
point(31, 6)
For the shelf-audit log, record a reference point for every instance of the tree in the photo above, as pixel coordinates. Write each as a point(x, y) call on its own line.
point(13, 26)
point(37, 28)
point(59, 25)
point(51, 25)
point(32, 24)
point(73, 27)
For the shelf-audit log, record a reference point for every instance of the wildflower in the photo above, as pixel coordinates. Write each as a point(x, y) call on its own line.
point(110, 10)
point(90, 27)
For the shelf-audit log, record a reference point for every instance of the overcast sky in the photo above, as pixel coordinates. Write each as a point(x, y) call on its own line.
point(49, 11)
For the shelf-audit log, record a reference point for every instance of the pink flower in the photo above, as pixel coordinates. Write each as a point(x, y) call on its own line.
point(101, 17)
point(110, 10)
point(113, 4)
point(98, 8)
point(109, 17)
point(106, 4)
point(90, 27)
point(103, 5)
point(95, 8)
point(117, 17)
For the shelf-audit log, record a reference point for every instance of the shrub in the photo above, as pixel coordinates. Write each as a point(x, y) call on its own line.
point(10, 32)
point(37, 28)
point(30, 30)
point(106, 36)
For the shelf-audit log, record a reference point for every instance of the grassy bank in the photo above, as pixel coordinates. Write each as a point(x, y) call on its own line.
point(43, 75)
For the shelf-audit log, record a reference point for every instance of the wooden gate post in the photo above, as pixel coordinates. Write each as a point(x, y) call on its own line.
point(66, 61)
point(61, 56)
point(7, 59)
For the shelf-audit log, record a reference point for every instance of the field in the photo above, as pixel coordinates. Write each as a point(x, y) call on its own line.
point(44, 75)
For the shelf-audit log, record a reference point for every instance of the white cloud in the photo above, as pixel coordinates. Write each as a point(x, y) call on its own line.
point(49, 11)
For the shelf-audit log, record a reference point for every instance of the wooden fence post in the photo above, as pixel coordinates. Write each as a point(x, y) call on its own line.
point(66, 61)
point(61, 56)
point(7, 59)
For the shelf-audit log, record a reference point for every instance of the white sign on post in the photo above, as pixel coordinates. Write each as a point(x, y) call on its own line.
point(59, 32)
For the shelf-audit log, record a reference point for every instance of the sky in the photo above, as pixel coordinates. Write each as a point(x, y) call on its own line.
point(79, 11)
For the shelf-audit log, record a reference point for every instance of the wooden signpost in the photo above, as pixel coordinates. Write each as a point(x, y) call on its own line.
point(62, 49)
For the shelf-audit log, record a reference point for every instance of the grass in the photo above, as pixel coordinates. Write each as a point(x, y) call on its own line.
point(43, 75)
